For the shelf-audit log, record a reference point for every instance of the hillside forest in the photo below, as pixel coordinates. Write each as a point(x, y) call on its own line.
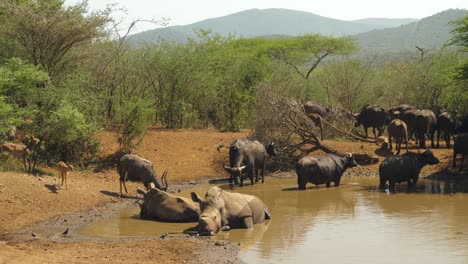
point(66, 73)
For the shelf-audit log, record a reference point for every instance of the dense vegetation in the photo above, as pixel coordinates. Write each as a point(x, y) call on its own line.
point(65, 74)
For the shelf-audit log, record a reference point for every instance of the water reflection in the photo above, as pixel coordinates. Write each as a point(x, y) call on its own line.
point(353, 223)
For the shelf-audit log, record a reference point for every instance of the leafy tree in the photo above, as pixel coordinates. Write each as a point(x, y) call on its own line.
point(135, 117)
point(346, 83)
point(304, 53)
point(19, 81)
point(70, 137)
point(8, 118)
point(48, 30)
point(460, 38)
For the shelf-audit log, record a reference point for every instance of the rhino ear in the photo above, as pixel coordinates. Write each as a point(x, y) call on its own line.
point(195, 197)
point(140, 191)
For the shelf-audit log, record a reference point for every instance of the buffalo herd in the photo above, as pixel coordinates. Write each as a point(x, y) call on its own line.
point(221, 210)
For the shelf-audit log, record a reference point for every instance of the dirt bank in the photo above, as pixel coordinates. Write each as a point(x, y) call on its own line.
point(33, 204)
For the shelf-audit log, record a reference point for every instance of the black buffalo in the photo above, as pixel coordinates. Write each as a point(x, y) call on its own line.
point(447, 124)
point(460, 147)
point(322, 169)
point(396, 112)
point(409, 117)
point(372, 116)
point(247, 155)
point(462, 127)
point(406, 167)
point(426, 123)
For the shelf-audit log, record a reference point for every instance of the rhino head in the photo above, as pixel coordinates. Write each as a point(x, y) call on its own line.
point(212, 210)
point(145, 212)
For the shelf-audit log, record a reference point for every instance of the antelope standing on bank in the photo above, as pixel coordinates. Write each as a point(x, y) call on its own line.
point(62, 170)
point(18, 151)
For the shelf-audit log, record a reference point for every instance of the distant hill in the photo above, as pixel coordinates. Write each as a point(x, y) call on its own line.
point(430, 32)
point(385, 22)
point(374, 35)
point(255, 22)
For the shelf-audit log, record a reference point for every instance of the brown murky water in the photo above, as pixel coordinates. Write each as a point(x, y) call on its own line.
point(354, 223)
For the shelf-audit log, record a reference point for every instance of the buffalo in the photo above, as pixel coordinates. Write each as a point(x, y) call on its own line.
point(396, 112)
point(160, 205)
point(322, 169)
point(316, 111)
point(426, 123)
point(134, 168)
point(397, 129)
point(222, 210)
point(462, 127)
point(406, 167)
point(409, 117)
point(247, 155)
point(447, 124)
point(460, 146)
point(372, 116)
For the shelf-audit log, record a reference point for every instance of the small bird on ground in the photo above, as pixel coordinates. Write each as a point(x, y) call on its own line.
point(65, 232)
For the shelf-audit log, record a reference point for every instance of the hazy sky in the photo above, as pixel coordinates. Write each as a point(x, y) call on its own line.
point(186, 12)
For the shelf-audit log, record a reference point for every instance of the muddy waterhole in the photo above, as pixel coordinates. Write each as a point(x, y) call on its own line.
point(354, 223)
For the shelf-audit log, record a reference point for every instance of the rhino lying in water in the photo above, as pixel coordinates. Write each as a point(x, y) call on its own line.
point(166, 207)
point(221, 210)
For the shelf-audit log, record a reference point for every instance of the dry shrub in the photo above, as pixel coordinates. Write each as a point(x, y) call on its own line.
point(284, 120)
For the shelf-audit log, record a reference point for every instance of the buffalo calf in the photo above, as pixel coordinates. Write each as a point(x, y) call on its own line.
point(397, 129)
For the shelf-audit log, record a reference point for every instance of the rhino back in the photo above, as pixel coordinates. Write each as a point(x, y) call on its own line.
point(238, 206)
point(166, 207)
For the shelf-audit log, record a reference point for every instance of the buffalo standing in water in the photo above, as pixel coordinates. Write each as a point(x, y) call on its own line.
point(460, 147)
point(322, 169)
point(221, 211)
point(400, 168)
point(246, 155)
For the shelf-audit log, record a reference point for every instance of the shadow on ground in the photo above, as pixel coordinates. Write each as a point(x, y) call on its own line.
point(51, 187)
point(117, 195)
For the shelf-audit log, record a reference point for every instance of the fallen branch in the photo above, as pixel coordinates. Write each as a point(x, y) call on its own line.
point(351, 135)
